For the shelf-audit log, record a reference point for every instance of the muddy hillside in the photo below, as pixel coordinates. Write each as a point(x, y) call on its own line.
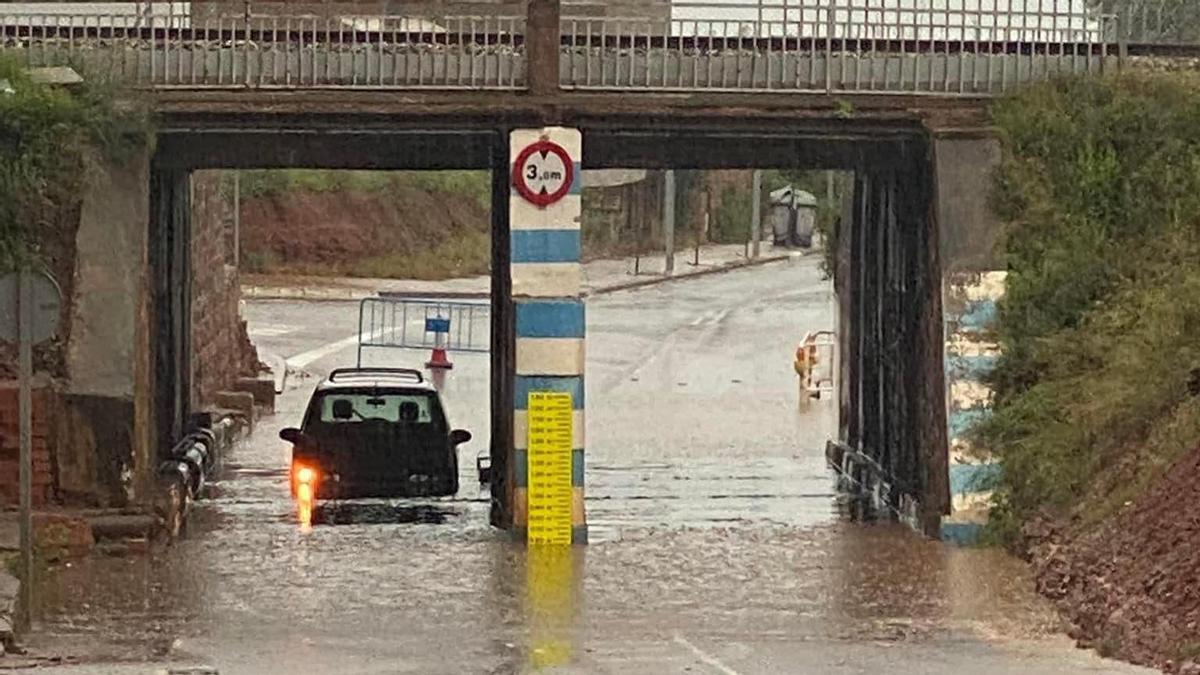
point(405, 230)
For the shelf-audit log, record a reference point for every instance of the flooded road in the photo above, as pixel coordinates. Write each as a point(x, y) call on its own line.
point(717, 541)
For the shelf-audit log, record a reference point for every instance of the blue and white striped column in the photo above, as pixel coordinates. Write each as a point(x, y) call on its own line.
point(970, 301)
point(547, 285)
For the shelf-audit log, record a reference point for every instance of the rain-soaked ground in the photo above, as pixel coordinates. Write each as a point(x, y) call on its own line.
point(718, 545)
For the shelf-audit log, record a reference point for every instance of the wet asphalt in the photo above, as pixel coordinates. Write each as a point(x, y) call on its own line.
point(718, 544)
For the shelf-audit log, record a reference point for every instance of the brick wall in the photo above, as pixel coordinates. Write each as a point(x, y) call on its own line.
point(221, 348)
point(43, 472)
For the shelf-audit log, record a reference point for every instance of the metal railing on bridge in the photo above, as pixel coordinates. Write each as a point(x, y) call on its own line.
point(1141, 23)
point(399, 323)
point(881, 46)
point(930, 47)
point(271, 45)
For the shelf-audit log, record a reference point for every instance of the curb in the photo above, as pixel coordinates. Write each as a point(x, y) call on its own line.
point(727, 267)
point(302, 293)
point(281, 293)
point(436, 295)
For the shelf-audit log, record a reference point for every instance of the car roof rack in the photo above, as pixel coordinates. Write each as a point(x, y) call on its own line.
point(343, 374)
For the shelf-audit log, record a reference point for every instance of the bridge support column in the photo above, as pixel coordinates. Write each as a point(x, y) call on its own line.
point(890, 291)
point(550, 326)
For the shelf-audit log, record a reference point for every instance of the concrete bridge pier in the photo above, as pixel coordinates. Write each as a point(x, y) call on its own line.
point(539, 325)
point(889, 290)
point(170, 273)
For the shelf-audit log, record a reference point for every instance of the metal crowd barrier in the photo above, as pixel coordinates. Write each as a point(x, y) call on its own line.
point(423, 324)
point(816, 364)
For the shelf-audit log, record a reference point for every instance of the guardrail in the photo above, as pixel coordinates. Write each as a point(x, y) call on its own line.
point(276, 50)
point(882, 46)
point(947, 47)
point(423, 324)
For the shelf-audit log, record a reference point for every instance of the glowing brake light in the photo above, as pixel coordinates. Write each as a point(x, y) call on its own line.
point(305, 475)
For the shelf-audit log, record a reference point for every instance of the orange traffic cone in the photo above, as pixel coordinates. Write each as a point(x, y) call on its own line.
point(439, 360)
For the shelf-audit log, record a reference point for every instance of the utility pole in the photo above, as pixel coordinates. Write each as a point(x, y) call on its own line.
point(669, 221)
point(25, 416)
point(756, 214)
point(237, 219)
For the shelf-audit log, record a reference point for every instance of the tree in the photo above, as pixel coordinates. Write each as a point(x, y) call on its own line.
point(1154, 20)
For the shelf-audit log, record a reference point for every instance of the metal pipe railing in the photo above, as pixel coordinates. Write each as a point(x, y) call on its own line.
point(942, 47)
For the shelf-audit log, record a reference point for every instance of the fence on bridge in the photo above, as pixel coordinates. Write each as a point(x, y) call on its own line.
point(944, 47)
point(423, 324)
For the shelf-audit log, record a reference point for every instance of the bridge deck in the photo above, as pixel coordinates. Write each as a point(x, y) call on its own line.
point(263, 54)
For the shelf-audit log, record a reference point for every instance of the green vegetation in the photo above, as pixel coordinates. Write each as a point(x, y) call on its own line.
point(1100, 191)
point(731, 219)
point(1190, 652)
point(260, 183)
point(463, 256)
point(1151, 20)
point(49, 139)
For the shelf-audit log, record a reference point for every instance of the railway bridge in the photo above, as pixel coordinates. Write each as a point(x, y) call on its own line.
point(894, 93)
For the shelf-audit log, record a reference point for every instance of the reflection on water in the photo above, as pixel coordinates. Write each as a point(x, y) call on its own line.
point(551, 601)
point(304, 507)
point(380, 513)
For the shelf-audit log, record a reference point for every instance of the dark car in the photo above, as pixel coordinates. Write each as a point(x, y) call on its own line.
point(374, 432)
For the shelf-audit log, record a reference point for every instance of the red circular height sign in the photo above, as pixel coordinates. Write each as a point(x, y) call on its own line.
point(542, 173)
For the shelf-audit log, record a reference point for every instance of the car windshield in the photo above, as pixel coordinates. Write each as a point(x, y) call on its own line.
point(356, 407)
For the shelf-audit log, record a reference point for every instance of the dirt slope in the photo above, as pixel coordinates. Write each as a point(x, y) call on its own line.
point(1132, 587)
point(406, 231)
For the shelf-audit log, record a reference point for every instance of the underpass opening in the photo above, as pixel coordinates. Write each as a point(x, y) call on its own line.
point(305, 232)
point(888, 443)
point(886, 282)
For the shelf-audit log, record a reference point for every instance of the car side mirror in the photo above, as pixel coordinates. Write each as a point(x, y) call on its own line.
point(292, 435)
point(460, 436)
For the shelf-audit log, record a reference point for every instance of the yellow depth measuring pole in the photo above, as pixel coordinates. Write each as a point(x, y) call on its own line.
point(549, 576)
point(550, 440)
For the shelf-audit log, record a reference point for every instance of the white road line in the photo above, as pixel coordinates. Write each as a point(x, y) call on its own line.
point(303, 359)
point(720, 316)
point(707, 659)
point(712, 317)
point(271, 331)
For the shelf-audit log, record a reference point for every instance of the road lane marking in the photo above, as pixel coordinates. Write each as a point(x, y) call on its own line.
point(305, 358)
point(272, 330)
point(712, 317)
point(706, 658)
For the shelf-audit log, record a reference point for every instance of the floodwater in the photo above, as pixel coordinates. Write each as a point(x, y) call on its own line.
point(718, 544)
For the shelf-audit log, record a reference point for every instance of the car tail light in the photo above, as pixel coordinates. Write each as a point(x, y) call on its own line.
point(304, 479)
point(305, 475)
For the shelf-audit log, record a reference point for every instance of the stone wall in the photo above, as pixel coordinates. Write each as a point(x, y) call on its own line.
point(94, 427)
point(221, 348)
